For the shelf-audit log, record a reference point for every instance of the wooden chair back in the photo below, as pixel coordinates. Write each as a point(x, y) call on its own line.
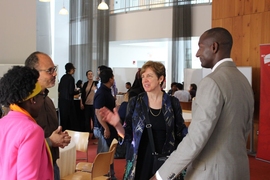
point(81, 141)
point(186, 105)
point(113, 147)
point(101, 164)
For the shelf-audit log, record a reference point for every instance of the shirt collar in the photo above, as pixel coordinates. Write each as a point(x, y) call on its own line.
point(221, 61)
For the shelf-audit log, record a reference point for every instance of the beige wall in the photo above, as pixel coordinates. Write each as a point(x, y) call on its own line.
point(18, 30)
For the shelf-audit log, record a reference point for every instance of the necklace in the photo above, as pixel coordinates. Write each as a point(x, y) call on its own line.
point(155, 114)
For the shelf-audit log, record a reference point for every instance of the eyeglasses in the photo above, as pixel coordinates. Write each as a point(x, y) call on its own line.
point(44, 93)
point(50, 70)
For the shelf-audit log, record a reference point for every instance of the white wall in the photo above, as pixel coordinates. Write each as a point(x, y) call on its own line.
point(155, 24)
point(18, 30)
point(60, 37)
point(123, 75)
point(201, 19)
point(135, 54)
point(129, 55)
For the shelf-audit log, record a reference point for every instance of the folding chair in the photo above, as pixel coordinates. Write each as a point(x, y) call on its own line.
point(81, 141)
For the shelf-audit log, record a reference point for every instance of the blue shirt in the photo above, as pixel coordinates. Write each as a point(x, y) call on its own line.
point(104, 98)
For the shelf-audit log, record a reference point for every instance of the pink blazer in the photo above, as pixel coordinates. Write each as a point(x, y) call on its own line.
point(23, 150)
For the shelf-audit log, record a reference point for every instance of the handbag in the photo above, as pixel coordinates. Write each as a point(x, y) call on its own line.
point(159, 159)
point(120, 152)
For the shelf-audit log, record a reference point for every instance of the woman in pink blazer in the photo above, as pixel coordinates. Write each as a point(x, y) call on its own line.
point(24, 152)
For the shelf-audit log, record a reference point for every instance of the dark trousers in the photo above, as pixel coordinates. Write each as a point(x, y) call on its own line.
point(56, 172)
point(67, 114)
point(89, 115)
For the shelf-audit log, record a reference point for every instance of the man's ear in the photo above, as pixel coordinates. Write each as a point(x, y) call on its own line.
point(215, 47)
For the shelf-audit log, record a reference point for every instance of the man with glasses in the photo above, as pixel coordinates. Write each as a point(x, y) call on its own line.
point(47, 117)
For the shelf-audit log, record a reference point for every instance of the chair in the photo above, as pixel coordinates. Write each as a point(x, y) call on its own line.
point(81, 141)
point(186, 105)
point(97, 170)
point(84, 166)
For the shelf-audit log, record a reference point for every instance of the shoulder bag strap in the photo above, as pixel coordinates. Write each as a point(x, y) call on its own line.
point(89, 91)
point(149, 130)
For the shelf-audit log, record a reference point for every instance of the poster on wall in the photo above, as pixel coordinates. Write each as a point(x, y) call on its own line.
point(264, 121)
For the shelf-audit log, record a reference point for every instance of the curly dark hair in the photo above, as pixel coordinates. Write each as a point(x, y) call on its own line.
point(17, 84)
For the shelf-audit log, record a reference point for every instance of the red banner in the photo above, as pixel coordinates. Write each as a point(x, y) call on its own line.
point(263, 151)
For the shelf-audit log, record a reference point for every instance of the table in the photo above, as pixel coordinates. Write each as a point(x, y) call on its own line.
point(67, 159)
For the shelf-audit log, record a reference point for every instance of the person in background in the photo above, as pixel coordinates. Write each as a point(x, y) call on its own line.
point(96, 130)
point(123, 108)
point(181, 94)
point(87, 101)
point(66, 90)
point(24, 152)
point(128, 86)
point(47, 118)
point(104, 98)
point(222, 114)
point(192, 90)
point(173, 88)
point(100, 68)
point(165, 115)
point(79, 85)
point(137, 86)
point(114, 89)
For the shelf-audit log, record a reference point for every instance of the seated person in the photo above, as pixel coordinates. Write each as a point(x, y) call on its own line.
point(128, 86)
point(173, 88)
point(181, 94)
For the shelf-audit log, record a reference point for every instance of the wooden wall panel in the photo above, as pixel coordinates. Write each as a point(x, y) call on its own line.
point(254, 6)
point(228, 8)
point(250, 27)
point(216, 12)
point(265, 30)
point(255, 41)
point(267, 5)
point(237, 39)
point(248, 6)
point(217, 23)
point(245, 39)
point(228, 23)
point(238, 7)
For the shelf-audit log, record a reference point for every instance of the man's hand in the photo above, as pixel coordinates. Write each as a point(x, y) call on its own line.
point(59, 138)
point(106, 115)
point(107, 133)
point(109, 116)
